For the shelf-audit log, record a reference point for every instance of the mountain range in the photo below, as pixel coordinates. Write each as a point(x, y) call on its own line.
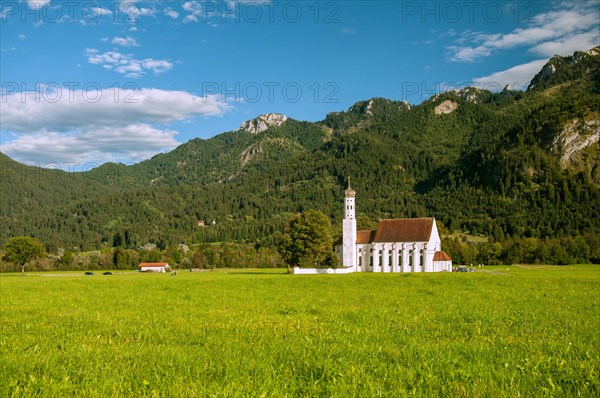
point(506, 164)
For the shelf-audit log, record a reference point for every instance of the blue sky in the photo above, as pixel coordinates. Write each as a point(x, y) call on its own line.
point(86, 82)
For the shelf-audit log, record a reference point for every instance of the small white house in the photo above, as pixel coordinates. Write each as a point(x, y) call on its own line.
point(154, 267)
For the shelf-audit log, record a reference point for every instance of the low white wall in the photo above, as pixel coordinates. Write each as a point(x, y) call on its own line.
point(442, 266)
point(319, 271)
point(152, 269)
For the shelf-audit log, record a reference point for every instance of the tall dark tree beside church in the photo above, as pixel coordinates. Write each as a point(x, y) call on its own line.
point(308, 241)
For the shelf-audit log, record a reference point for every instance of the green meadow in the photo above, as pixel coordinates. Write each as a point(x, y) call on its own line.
point(501, 331)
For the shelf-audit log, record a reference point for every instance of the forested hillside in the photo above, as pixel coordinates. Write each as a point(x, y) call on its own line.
point(508, 165)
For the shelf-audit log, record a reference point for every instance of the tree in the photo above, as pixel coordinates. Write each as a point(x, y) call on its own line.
point(23, 249)
point(174, 255)
point(66, 261)
point(199, 260)
point(124, 259)
point(117, 240)
point(308, 241)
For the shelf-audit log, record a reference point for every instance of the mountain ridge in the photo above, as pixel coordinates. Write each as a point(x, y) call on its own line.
point(487, 163)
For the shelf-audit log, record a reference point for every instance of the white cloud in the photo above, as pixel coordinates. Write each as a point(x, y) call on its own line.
point(125, 41)
point(133, 142)
point(190, 18)
point(518, 76)
point(192, 6)
point(126, 65)
point(5, 11)
point(575, 27)
point(62, 125)
point(22, 37)
point(567, 45)
point(98, 11)
point(171, 13)
point(146, 12)
point(64, 110)
point(37, 4)
point(467, 54)
point(156, 65)
point(195, 10)
point(133, 12)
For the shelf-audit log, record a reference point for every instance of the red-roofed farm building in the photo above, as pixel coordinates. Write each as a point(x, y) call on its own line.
point(154, 267)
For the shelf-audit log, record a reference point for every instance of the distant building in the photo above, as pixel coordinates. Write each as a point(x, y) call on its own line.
point(154, 267)
point(200, 223)
point(397, 245)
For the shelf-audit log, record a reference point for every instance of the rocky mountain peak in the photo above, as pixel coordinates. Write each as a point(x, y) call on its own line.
point(263, 123)
point(471, 94)
point(566, 68)
point(593, 51)
point(446, 107)
point(547, 71)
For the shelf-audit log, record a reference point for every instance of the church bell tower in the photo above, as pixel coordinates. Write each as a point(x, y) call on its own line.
point(349, 230)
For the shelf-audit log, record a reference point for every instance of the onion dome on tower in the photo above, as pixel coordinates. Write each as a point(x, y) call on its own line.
point(350, 193)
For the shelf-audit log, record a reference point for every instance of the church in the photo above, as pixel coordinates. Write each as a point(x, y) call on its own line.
point(397, 245)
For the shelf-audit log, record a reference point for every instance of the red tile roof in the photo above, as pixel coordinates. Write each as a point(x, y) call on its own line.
point(153, 265)
point(365, 236)
point(396, 230)
point(441, 256)
point(404, 230)
point(362, 237)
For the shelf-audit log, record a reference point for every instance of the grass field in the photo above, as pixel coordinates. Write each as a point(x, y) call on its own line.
point(500, 332)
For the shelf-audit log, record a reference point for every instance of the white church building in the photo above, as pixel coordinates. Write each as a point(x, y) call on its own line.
point(397, 245)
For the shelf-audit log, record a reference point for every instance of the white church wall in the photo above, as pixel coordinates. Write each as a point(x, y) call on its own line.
point(435, 243)
point(442, 266)
point(415, 254)
point(321, 271)
point(363, 259)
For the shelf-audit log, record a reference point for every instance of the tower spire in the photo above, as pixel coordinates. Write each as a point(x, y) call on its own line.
point(349, 192)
